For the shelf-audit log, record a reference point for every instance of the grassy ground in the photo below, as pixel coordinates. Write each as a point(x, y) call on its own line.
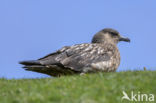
point(90, 88)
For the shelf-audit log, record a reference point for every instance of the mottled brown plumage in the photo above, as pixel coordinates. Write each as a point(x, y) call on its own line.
point(100, 55)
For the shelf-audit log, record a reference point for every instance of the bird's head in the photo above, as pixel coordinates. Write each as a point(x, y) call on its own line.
point(108, 35)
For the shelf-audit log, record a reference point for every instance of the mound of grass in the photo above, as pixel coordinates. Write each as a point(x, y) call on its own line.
point(89, 88)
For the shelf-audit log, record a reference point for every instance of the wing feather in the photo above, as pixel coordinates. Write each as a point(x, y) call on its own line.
point(79, 56)
point(84, 55)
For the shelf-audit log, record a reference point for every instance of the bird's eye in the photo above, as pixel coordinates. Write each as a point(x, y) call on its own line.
point(114, 34)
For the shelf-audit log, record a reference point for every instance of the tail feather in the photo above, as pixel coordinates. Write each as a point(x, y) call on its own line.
point(55, 69)
point(30, 62)
point(52, 71)
point(34, 66)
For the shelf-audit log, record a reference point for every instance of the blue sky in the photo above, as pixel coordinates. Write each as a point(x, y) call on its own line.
point(30, 29)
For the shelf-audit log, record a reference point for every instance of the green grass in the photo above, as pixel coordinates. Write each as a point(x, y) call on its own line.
point(89, 88)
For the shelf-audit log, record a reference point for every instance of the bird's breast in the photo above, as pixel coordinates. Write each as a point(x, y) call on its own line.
point(108, 65)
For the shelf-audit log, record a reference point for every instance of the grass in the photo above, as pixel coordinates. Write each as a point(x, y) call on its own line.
point(90, 88)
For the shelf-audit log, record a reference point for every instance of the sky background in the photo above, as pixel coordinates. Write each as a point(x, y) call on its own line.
point(30, 29)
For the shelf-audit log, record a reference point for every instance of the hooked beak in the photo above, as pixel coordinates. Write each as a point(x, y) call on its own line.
point(124, 39)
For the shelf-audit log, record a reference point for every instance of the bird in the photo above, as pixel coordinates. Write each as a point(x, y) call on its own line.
point(100, 55)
